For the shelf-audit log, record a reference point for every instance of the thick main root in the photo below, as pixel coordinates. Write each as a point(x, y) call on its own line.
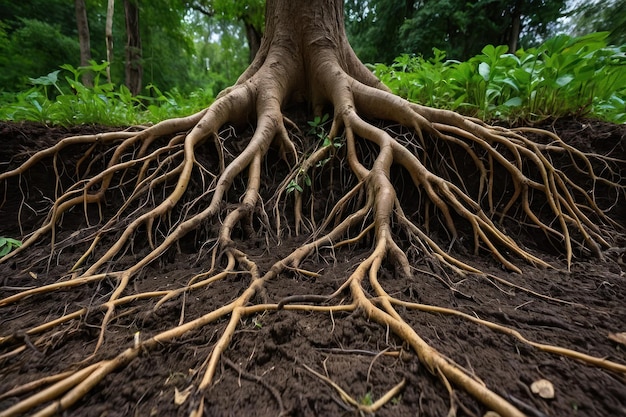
point(158, 171)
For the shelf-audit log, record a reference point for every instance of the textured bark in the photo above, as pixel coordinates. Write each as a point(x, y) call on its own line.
point(108, 35)
point(307, 42)
point(82, 24)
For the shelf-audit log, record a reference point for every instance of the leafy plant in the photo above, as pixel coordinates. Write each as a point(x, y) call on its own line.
point(7, 245)
point(317, 126)
point(60, 98)
point(367, 399)
point(565, 75)
point(302, 179)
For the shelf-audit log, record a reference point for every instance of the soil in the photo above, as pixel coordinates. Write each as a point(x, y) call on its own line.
point(263, 371)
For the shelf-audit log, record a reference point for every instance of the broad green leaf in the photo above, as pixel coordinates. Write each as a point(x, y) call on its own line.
point(564, 80)
point(513, 102)
point(484, 70)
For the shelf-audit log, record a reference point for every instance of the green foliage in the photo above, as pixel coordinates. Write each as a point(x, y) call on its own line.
point(7, 245)
point(61, 98)
point(23, 49)
point(301, 180)
point(380, 30)
point(367, 399)
point(565, 75)
point(250, 11)
point(599, 16)
point(318, 129)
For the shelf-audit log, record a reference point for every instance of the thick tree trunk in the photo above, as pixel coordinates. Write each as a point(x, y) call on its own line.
point(305, 44)
point(82, 24)
point(134, 67)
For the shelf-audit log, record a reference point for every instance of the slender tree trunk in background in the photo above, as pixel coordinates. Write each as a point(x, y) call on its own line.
point(83, 38)
point(515, 29)
point(134, 67)
point(254, 39)
point(109, 36)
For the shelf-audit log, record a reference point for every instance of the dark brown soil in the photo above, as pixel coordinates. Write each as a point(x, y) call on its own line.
point(264, 366)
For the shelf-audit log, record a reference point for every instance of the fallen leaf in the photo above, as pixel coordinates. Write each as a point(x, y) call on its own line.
point(618, 337)
point(543, 388)
point(181, 397)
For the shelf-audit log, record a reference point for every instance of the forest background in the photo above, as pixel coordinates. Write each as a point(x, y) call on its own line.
point(172, 57)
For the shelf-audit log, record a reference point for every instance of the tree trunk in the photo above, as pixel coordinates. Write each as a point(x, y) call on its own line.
point(82, 24)
point(254, 39)
point(108, 36)
point(515, 28)
point(134, 67)
point(304, 44)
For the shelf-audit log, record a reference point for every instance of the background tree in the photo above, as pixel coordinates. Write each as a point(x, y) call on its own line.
point(600, 16)
point(196, 184)
point(133, 63)
point(249, 13)
point(42, 36)
point(108, 34)
point(383, 29)
point(82, 24)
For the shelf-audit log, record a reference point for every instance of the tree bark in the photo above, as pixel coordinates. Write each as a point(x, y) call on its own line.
point(515, 28)
point(254, 39)
point(108, 36)
point(133, 65)
point(82, 24)
point(305, 42)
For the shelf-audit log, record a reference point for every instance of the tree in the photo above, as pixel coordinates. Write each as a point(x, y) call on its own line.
point(383, 29)
point(108, 34)
point(250, 13)
point(82, 24)
point(188, 186)
point(134, 66)
point(601, 16)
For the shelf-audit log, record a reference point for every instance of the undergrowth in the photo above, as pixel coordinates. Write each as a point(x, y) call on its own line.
point(564, 76)
point(60, 98)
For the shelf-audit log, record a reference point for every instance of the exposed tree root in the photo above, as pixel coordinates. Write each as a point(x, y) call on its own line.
point(172, 192)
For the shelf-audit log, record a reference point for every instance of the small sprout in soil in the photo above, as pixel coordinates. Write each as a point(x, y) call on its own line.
point(7, 245)
point(367, 399)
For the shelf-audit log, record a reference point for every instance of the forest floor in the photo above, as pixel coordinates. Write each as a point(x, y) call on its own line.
point(264, 368)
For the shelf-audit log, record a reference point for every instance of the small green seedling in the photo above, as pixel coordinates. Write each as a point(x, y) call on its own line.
point(367, 399)
point(296, 184)
point(7, 245)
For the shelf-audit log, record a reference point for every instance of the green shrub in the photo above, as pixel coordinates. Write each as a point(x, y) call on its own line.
point(60, 98)
point(564, 76)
